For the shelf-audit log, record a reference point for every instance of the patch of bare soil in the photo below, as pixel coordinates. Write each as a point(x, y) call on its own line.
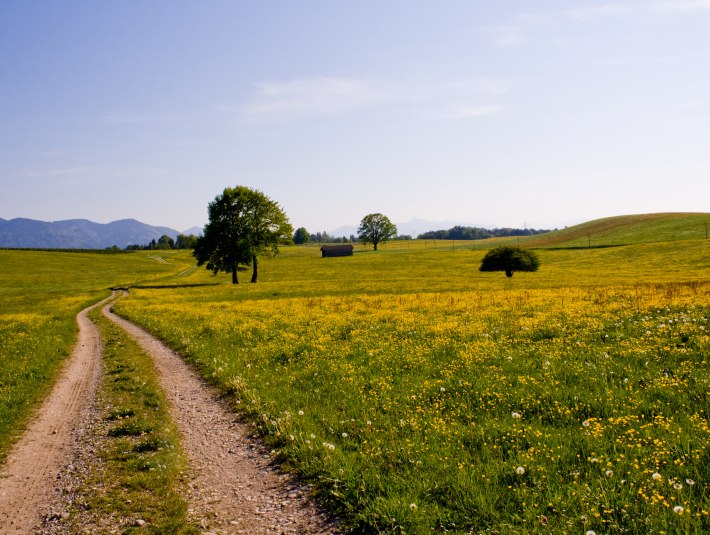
point(33, 472)
point(234, 487)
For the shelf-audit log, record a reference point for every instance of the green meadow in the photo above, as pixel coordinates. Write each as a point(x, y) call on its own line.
point(418, 395)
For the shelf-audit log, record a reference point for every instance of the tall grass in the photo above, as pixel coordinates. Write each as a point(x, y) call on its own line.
point(418, 394)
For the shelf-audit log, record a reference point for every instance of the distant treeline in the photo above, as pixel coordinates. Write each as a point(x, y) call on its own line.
point(108, 250)
point(166, 242)
point(476, 233)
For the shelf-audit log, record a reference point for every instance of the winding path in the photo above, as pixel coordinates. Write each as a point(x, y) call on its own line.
point(33, 468)
point(234, 488)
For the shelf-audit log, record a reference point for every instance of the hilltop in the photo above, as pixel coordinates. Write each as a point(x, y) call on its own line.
point(628, 229)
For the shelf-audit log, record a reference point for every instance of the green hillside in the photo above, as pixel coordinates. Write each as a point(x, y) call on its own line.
point(628, 229)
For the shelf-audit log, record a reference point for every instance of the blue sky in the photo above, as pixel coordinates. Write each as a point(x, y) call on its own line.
point(498, 113)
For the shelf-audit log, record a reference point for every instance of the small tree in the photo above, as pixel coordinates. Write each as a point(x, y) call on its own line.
point(301, 236)
point(243, 223)
point(510, 260)
point(376, 228)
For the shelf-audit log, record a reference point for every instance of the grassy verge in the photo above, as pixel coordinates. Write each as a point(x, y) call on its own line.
point(141, 473)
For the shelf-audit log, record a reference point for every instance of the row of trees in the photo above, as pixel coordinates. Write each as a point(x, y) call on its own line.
point(166, 242)
point(302, 236)
point(477, 233)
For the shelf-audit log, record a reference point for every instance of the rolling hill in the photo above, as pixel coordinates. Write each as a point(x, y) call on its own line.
point(628, 229)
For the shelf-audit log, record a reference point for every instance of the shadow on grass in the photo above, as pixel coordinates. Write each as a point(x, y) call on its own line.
point(577, 247)
point(165, 286)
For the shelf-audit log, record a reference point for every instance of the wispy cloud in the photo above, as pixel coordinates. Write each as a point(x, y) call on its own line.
point(515, 33)
point(522, 27)
point(320, 96)
point(465, 112)
point(119, 117)
point(331, 97)
point(60, 172)
point(590, 13)
point(683, 5)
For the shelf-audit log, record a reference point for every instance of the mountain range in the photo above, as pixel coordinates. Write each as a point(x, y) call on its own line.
point(80, 233)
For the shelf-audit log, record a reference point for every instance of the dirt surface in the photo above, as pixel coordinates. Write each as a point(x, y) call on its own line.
point(234, 487)
point(32, 474)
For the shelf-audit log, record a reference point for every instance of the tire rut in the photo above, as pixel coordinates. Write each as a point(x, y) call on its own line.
point(234, 487)
point(30, 477)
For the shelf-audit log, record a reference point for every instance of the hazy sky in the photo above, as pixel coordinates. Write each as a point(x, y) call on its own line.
point(500, 113)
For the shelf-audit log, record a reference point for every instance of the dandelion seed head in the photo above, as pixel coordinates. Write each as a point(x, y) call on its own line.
point(656, 476)
point(678, 509)
point(520, 470)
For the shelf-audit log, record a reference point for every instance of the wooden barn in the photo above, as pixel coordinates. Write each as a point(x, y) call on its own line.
point(337, 250)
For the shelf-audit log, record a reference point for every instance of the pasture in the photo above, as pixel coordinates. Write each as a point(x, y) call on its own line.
point(417, 394)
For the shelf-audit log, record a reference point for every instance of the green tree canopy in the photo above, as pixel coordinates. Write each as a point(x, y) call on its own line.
point(243, 224)
point(510, 260)
point(376, 228)
point(301, 236)
point(165, 242)
point(186, 241)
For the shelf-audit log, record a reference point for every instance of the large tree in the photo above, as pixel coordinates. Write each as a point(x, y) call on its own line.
point(510, 260)
point(376, 228)
point(243, 224)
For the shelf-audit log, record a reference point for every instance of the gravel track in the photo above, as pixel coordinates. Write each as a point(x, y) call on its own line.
point(234, 487)
point(31, 476)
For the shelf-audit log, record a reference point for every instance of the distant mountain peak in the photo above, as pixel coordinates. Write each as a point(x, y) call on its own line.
point(78, 233)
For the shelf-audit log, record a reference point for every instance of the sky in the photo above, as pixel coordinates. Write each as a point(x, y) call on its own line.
point(485, 112)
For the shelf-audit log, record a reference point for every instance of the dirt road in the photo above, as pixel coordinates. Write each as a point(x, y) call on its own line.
point(33, 468)
point(234, 487)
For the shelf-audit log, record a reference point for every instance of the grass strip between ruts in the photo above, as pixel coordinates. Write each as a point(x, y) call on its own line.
point(140, 467)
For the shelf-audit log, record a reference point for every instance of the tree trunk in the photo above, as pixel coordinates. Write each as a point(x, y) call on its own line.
point(375, 244)
point(235, 279)
point(254, 272)
point(508, 272)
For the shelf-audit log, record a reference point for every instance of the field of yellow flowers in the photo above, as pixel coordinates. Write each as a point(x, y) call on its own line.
point(549, 403)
